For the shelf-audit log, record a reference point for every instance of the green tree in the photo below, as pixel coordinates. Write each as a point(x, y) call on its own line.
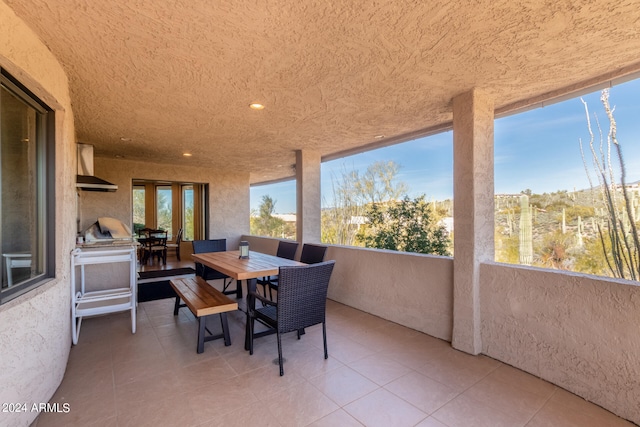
point(351, 192)
point(264, 223)
point(165, 214)
point(379, 183)
point(189, 229)
point(138, 209)
point(406, 225)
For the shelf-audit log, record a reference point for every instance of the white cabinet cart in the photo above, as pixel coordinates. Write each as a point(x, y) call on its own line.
point(119, 297)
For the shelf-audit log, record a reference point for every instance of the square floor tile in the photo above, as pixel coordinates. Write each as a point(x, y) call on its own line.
point(383, 408)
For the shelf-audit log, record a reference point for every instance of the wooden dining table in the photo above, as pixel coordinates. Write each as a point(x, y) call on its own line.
point(249, 269)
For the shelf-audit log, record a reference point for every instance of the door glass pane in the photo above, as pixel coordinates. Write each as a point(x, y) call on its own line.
point(164, 212)
point(138, 208)
point(187, 203)
point(21, 212)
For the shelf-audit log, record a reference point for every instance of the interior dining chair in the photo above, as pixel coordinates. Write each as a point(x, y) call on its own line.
point(208, 273)
point(176, 245)
point(301, 303)
point(158, 245)
point(143, 235)
point(285, 250)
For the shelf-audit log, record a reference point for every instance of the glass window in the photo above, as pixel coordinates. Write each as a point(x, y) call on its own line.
point(164, 210)
point(273, 210)
point(171, 206)
point(26, 183)
point(560, 200)
point(188, 225)
point(139, 220)
point(397, 197)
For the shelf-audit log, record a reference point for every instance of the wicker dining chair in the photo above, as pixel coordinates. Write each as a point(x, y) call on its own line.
point(208, 273)
point(285, 250)
point(311, 254)
point(301, 303)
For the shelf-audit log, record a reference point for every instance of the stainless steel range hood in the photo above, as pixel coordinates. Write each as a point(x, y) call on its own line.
point(86, 180)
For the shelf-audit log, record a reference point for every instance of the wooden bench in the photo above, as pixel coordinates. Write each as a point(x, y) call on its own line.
point(203, 300)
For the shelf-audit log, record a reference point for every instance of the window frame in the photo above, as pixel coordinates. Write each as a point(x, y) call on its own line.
point(200, 201)
point(46, 189)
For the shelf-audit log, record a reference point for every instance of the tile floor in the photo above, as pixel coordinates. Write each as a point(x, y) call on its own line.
point(378, 374)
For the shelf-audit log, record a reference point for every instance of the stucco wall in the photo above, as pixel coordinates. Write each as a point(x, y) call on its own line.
point(228, 194)
point(413, 290)
point(573, 330)
point(35, 328)
point(260, 244)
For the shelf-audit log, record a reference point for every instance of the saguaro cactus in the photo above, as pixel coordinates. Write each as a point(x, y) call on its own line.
point(526, 239)
point(579, 242)
point(509, 222)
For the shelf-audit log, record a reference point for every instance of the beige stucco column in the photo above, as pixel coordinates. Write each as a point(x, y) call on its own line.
point(473, 211)
point(308, 196)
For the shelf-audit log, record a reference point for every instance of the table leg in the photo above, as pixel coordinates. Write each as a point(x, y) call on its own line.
point(225, 329)
point(251, 305)
point(176, 306)
point(239, 289)
point(201, 330)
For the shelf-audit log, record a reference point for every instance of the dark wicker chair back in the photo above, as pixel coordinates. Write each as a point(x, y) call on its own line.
point(312, 254)
point(203, 246)
point(215, 245)
point(302, 296)
point(287, 249)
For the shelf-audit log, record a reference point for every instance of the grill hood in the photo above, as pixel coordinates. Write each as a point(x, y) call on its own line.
point(86, 180)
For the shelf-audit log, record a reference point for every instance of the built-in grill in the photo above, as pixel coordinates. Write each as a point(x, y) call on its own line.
point(106, 231)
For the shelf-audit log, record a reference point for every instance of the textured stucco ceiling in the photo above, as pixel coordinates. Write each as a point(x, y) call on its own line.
point(178, 76)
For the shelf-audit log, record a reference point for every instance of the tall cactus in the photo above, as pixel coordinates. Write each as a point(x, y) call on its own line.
point(564, 222)
point(526, 239)
point(579, 242)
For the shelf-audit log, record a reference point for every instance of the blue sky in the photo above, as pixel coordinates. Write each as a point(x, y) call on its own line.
point(537, 149)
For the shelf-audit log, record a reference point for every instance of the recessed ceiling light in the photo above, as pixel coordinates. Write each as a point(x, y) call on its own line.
point(256, 106)
point(379, 136)
point(187, 154)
